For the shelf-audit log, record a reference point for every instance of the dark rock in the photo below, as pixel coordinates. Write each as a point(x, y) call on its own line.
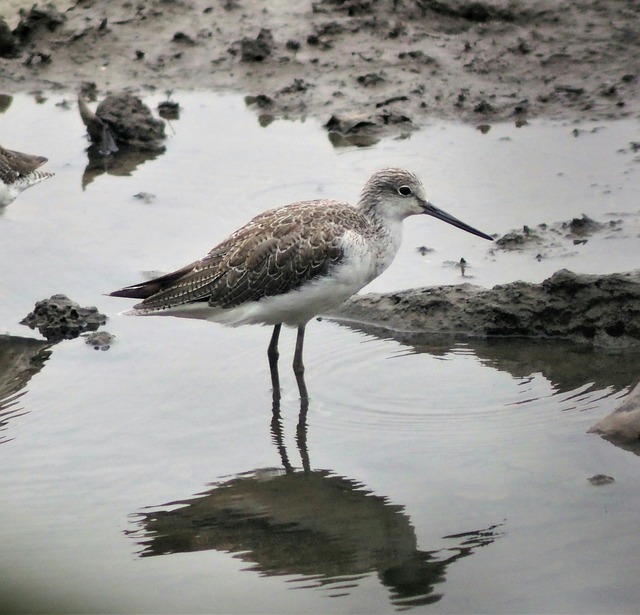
point(484, 107)
point(583, 226)
point(370, 79)
point(258, 49)
point(9, 47)
point(517, 239)
point(181, 37)
point(298, 86)
point(293, 45)
point(418, 55)
point(169, 110)
point(130, 122)
point(261, 100)
point(597, 310)
point(59, 318)
point(331, 28)
point(33, 23)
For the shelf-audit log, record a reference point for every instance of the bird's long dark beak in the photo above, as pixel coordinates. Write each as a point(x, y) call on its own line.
point(431, 210)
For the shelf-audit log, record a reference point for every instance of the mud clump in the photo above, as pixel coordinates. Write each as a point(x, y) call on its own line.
point(132, 123)
point(258, 49)
point(597, 310)
point(123, 120)
point(58, 318)
point(37, 22)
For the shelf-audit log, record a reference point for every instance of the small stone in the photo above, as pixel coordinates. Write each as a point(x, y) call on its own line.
point(100, 340)
point(598, 480)
point(146, 197)
point(292, 45)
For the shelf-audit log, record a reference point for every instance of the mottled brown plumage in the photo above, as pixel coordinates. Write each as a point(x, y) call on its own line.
point(18, 172)
point(275, 253)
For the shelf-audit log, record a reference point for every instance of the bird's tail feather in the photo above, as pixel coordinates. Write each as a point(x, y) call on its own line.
point(144, 290)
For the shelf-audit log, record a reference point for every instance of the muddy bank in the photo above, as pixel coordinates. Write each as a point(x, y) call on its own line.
point(597, 310)
point(366, 67)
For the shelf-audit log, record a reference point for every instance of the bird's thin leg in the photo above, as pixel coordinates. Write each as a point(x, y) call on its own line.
point(272, 351)
point(273, 355)
point(298, 365)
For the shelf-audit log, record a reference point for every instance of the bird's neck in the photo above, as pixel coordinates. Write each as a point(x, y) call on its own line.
point(387, 230)
point(381, 218)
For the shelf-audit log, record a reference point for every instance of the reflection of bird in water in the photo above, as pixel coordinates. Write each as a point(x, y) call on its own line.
point(18, 172)
point(327, 529)
point(290, 264)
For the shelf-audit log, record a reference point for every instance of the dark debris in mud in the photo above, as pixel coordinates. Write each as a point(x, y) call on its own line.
point(576, 231)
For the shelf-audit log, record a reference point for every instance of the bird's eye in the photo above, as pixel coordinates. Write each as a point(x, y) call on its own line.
point(405, 191)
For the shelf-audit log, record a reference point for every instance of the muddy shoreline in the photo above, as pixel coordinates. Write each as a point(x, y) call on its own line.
point(365, 67)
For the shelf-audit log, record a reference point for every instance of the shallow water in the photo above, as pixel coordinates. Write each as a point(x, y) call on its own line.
point(445, 476)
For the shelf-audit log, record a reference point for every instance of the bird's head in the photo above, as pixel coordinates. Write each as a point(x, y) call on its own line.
point(397, 194)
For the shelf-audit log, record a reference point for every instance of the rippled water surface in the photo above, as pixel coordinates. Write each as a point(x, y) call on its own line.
point(445, 476)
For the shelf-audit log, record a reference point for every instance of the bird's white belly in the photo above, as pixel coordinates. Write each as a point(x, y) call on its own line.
point(8, 193)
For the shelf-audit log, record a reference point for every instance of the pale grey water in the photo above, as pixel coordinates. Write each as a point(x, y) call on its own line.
point(407, 446)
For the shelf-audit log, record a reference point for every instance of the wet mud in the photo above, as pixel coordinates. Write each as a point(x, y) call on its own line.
point(366, 68)
point(597, 310)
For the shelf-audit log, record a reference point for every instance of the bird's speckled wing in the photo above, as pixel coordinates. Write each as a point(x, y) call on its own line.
point(14, 165)
point(275, 253)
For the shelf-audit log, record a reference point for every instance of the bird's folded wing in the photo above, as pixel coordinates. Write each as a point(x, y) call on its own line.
point(251, 264)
